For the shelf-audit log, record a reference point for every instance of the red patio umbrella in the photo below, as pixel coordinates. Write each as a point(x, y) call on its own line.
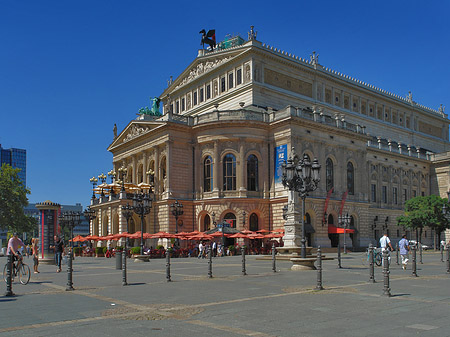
point(219, 234)
point(255, 236)
point(121, 235)
point(246, 231)
point(262, 231)
point(163, 235)
point(238, 236)
point(201, 236)
point(274, 235)
point(78, 238)
point(92, 237)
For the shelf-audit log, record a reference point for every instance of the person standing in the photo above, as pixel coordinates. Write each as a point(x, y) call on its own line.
point(385, 244)
point(200, 250)
point(35, 253)
point(59, 249)
point(403, 245)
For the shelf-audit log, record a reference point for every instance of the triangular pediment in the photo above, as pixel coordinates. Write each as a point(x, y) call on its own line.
point(203, 65)
point(134, 130)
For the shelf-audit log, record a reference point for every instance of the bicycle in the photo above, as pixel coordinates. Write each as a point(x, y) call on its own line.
point(23, 273)
point(377, 257)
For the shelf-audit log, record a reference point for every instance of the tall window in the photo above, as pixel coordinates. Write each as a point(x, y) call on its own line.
point(207, 174)
point(384, 192)
point(208, 91)
point(252, 173)
point(201, 95)
point(350, 178)
point(405, 195)
point(230, 80)
point(253, 222)
point(329, 174)
point(222, 84)
point(177, 109)
point(195, 97)
point(183, 104)
point(373, 192)
point(206, 223)
point(229, 172)
point(395, 195)
point(238, 76)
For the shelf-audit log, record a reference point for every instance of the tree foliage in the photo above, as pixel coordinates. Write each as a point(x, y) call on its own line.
point(13, 199)
point(424, 211)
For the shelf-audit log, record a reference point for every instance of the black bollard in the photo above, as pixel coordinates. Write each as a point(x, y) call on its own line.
point(442, 252)
point(168, 267)
point(274, 267)
point(386, 288)
point(448, 259)
point(118, 260)
point(319, 269)
point(371, 265)
point(420, 252)
point(396, 251)
point(210, 263)
point(414, 265)
point(244, 272)
point(9, 272)
point(69, 271)
point(339, 255)
point(124, 266)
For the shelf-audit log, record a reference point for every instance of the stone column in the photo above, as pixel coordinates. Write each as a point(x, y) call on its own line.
point(157, 172)
point(198, 166)
point(241, 174)
point(263, 167)
point(168, 166)
point(133, 173)
point(144, 167)
point(292, 227)
point(216, 164)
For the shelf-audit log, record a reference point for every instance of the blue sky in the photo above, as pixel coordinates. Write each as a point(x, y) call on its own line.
point(69, 70)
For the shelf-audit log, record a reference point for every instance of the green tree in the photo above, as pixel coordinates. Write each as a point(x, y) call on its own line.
point(13, 198)
point(424, 211)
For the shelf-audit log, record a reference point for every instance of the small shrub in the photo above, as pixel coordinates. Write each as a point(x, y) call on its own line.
point(104, 250)
point(159, 247)
point(77, 250)
point(99, 250)
point(136, 250)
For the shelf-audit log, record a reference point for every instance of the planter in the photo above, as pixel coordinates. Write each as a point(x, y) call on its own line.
point(100, 255)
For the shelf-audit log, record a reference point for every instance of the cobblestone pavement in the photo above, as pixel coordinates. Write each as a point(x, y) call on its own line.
point(262, 303)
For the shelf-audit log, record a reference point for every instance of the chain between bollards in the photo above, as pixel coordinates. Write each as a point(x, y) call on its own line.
point(244, 272)
point(274, 267)
point(414, 264)
point(396, 253)
point(210, 263)
point(371, 265)
point(448, 259)
point(319, 269)
point(124, 266)
point(69, 271)
point(9, 271)
point(386, 288)
point(168, 279)
point(339, 255)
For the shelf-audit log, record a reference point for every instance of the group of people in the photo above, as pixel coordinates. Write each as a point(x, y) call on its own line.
point(403, 246)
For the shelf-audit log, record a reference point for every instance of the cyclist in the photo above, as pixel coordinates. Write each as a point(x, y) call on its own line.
point(13, 248)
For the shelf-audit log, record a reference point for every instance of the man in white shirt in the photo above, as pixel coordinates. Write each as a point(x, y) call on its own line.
point(384, 244)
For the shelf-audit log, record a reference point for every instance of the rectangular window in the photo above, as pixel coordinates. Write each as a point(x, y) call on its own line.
point(178, 107)
point(230, 80)
point(222, 84)
point(405, 195)
point(395, 195)
point(171, 108)
point(384, 190)
point(208, 91)
point(238, 76)
point(201, 95)
point(195, 97)
point(423, 193)
point(414, 193)
point(182, 104)
point(373, 190)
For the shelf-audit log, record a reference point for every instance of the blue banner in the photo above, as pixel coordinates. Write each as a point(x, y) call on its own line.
point(280, 157)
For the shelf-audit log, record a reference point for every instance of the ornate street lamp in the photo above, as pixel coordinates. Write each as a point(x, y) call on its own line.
point(177, 210)
point(89, 214)
point(71, 219)
point(302, 176)
point(142, 204)
point(344, 221)
point(93, 181)
point(102, 179)
point(112, 174)
point(122, 175)
point(127, 212)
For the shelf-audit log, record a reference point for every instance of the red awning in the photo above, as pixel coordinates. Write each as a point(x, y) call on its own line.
point(337, 230)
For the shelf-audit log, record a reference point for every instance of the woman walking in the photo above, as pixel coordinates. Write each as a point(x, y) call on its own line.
point(35, 252)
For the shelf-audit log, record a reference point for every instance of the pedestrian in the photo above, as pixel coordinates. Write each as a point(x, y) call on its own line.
point(214, 248)
point(200, 250)
point(59, 249)
point(403, 245)
point(385, 244)
point(35, 253)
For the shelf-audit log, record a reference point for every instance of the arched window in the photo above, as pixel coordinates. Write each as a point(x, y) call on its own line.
point(207, 174)
point(329, 174)
point(231, 219)
point(350, 178)
point(229, 172)
point(254, 222)
point(307, 218)
point(163, 174)
point(252, 173)
point(206, 223)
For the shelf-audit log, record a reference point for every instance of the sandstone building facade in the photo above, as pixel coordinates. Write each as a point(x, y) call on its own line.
point(232, 117)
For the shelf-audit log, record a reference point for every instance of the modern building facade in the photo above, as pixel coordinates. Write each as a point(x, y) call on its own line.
point(235, 114)
point(17, 158)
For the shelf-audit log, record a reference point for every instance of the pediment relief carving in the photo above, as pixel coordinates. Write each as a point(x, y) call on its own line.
point(202, 68)
point(135, 131)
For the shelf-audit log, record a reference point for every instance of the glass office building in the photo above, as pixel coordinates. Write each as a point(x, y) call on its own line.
point(17, 158)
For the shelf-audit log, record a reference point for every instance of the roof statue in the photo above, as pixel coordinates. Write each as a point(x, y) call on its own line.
point(314, 58)
point(154, 111)
point(252, 33)
point(115, 131)
point(442, 109)
point(208, 38)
